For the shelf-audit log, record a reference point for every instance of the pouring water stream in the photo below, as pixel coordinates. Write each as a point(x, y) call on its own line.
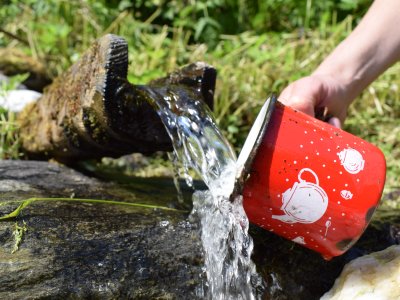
point(199, 145)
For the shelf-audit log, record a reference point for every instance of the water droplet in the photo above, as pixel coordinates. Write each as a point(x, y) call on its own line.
point(164, 223)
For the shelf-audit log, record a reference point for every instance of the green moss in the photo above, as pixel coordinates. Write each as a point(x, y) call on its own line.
point(95, 128)
point(18, 234)
point(70, 132)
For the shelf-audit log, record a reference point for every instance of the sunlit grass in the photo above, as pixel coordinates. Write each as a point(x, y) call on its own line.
point(9, 138)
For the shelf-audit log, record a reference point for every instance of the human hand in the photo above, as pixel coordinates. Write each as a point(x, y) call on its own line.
point(317, 93)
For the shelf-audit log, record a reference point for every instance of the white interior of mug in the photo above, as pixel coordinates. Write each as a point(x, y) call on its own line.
point(253, 139)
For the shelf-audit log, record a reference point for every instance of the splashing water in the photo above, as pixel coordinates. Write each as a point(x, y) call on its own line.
point(198, 144)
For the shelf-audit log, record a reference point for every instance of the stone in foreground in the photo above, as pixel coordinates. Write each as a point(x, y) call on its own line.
point(373, 276)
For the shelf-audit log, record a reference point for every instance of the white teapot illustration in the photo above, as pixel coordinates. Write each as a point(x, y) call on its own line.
point(352, 160)
point(305, 202)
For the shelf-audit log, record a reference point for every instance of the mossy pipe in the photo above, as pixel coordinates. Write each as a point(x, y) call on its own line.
point(92, 111)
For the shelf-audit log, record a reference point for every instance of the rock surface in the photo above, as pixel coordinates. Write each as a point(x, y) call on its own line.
point(83, 251)
point(73, 250)
point(373, 276)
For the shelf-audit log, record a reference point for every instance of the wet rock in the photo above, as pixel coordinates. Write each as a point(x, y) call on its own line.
point(80, 250)
point(373, 276)
point(74, 250)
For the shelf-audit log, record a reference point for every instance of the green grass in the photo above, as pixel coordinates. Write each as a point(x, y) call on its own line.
point(26, 202)
point(9, 139)
point(250, 65)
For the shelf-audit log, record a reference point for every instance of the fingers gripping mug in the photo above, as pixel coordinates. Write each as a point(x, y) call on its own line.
point(307, 181)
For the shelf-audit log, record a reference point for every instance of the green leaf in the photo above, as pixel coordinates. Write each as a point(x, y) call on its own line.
point(29, 201)
point(202, 24)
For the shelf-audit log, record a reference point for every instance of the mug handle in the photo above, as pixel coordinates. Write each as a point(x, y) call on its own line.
point(308, 170)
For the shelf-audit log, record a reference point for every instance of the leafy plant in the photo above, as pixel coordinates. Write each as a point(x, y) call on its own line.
point(9, 139)
point(18, 234)
point(25, 202)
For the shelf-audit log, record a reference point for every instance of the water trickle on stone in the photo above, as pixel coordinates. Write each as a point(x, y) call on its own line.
point(198, 144)
point(175, 165)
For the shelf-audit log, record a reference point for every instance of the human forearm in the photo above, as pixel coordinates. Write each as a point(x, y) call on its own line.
point(368, 51)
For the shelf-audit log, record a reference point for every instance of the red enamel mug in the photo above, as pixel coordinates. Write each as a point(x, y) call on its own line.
point(308, 181)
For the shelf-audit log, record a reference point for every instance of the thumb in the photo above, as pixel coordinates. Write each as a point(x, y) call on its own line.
point(303, 95)
point(297, 102)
